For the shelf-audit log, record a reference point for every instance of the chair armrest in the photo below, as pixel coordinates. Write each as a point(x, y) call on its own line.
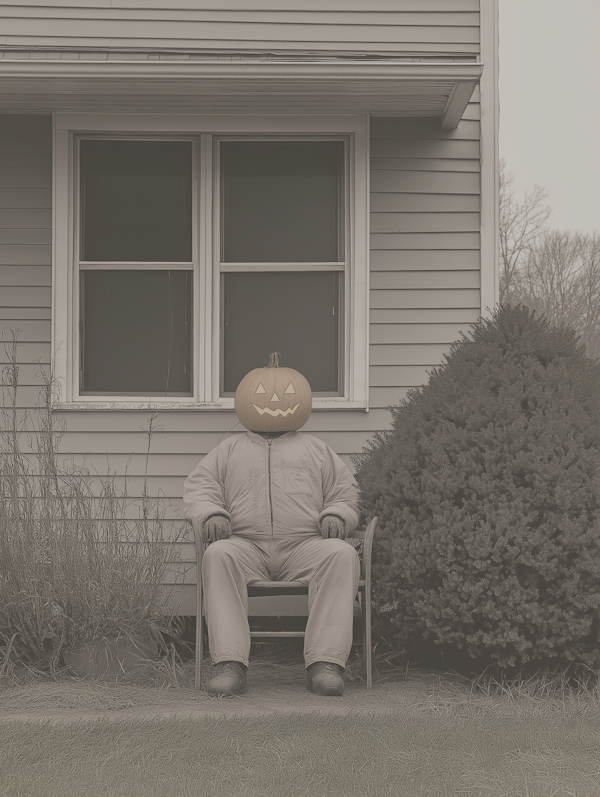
point(368, 547)
point(365, 550)
point(199, 547)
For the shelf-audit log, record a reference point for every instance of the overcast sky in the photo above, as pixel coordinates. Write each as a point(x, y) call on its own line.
point(550, 104)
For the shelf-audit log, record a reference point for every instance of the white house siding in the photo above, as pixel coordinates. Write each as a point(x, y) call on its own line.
point(424, 290)
point(391, 27)
point(425, 247)
point(425, 206)
point(26, 243)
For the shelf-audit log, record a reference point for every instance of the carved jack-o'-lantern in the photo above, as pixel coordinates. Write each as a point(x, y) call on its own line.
point(273, 399)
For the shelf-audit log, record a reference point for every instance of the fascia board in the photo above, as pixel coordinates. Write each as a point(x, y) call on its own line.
point(241, 72)
point(457, 102)
point(378, 87)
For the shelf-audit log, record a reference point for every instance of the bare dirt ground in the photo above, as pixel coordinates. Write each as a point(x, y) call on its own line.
point(273, 688)
point(162, 691)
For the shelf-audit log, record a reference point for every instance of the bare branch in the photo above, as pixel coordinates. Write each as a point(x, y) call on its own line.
point(561, 279)
point(590, 295)
point(551, 276)
point(521, 224)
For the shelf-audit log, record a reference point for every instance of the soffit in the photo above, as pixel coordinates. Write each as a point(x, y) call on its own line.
point(382, 87)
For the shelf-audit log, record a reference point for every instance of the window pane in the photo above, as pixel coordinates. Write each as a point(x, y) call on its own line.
point(136, 200)
point(295, 313)
point(282, 201)
point(136, 332)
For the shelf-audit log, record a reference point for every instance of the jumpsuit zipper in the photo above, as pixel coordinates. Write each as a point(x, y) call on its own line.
point(269, 482)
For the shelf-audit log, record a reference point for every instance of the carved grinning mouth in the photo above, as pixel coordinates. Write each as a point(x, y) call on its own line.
point(278, 411)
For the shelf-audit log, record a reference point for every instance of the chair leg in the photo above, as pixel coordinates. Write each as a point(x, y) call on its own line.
point(199, 546)
point(365, 611)
point(366, 568)
point(363, 623)
point(367, 652)
point(199, 642)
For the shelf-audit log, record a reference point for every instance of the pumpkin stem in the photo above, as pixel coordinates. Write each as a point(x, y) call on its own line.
point(274, 359)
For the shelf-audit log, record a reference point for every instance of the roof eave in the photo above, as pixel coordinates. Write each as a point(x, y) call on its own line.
point(441, 89)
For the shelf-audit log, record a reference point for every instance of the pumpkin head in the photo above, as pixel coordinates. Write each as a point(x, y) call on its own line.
point(273, 399)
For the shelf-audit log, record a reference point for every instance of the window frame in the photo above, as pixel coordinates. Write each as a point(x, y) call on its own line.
point(206, 131)
point(221, 267)
point(117, 265)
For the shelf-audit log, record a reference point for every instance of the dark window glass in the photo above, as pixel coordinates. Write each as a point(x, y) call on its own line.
point(282, 201)
point(136, 332)
point(136, 200)
point(295, 313)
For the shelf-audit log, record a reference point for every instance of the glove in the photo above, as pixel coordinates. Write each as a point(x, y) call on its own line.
point(333, 526)
point(216, 527)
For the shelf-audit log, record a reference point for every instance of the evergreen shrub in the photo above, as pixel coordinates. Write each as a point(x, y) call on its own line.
point(487, 487)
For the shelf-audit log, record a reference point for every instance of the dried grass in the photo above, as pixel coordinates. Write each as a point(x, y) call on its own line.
point(75, 569)
point(410, 752)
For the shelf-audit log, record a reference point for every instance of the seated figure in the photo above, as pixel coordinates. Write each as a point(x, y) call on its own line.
point(275, 505)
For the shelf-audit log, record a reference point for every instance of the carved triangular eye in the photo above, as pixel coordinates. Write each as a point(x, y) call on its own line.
point(290, 388)
point(260, 389)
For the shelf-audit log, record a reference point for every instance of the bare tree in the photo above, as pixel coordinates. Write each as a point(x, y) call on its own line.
point(556, 273)
point(550, 277)
point(589, 285)
point(561, 279)
point(521, 224)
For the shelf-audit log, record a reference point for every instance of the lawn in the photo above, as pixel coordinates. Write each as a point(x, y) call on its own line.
point(425, 736)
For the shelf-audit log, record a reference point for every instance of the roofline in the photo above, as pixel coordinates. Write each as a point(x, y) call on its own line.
point(241, 70)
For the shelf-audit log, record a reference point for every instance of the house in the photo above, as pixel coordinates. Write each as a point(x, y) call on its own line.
point(188, 185)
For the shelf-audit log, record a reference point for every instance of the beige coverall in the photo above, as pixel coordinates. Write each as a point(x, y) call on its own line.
point(275, 492)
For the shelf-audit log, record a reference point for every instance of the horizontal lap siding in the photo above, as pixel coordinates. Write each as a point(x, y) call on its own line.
point(425, 248)
point(431, 27)
point(424, 292)
point(26, 243)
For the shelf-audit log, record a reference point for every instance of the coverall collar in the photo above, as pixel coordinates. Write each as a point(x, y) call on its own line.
point(258, 438)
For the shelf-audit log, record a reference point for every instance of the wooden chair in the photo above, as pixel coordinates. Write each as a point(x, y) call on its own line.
point(296, 588)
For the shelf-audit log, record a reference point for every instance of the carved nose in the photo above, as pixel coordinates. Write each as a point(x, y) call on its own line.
point(274, 397)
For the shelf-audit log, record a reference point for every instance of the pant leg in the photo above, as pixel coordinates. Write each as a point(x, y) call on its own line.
point(227, 567)
point(331, 568)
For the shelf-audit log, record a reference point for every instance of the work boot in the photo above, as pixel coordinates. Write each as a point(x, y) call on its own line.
point(325, 678)
point(229, 678)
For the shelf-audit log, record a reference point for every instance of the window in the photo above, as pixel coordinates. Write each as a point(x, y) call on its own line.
point(296, 313)
point(282, 209)
point(135, 234)
point(135, 329)
point(282, 201)
point(193, 253)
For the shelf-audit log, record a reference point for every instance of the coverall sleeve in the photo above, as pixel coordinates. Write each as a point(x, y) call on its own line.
point(340, 491)
point(203, 490)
